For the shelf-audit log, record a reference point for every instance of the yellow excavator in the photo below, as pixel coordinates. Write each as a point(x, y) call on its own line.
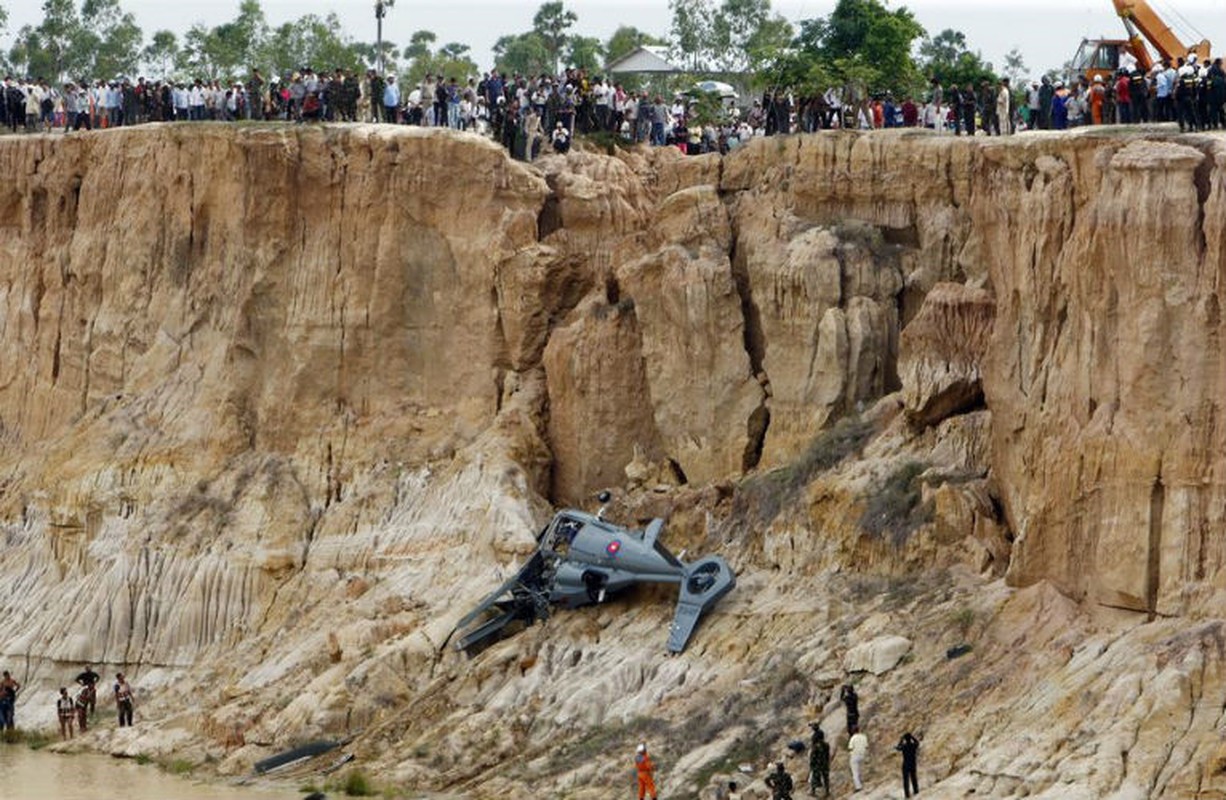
point(1144, 24)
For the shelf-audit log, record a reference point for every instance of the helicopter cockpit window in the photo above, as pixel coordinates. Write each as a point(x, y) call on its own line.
point(564, 533)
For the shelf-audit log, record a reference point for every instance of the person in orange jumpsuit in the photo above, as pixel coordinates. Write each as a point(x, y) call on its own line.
point(646, 770)
point(1098, 94)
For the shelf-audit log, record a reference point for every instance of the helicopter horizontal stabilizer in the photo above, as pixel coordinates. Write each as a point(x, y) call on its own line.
point(706, 581)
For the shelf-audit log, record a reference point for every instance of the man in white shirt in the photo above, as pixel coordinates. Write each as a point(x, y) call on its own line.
point(857, 746)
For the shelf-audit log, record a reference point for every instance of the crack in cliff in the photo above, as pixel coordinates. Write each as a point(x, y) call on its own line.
point(754, 342)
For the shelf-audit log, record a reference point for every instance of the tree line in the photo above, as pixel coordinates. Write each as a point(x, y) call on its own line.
point(861, 42)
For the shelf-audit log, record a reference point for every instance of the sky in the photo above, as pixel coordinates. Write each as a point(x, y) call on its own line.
point(1046, 32)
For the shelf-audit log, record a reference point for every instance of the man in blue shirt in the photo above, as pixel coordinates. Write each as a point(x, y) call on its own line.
point(391, 100)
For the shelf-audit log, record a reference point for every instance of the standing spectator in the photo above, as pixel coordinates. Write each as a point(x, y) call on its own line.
point(1004, 107)
point(65, 710)
point(391, 100)
point(8, 701)
point(1123, 97)
point(123, 700)
point(1046, 93)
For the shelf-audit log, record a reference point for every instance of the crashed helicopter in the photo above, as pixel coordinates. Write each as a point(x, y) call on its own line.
point(581, 559)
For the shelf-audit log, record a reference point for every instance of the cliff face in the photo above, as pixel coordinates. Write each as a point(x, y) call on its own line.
point(278, 405)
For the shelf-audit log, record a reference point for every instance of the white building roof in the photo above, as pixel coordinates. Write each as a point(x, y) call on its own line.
point(646, 58)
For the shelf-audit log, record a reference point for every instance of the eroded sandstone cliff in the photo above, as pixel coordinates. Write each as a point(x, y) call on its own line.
point(279, 405)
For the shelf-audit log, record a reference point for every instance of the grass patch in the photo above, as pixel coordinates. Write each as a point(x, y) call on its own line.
point(963, 619)
point(178, 766)
point(896, 509)
point(309, 788)
point(35, 740)
point(607, 141)
point(357, 785)
point(142, 759)
point(764, 496)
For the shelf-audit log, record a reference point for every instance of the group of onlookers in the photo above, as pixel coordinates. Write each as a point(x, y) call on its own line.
point(72, 711)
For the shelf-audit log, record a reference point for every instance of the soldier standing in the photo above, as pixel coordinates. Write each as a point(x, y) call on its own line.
point(819, 761)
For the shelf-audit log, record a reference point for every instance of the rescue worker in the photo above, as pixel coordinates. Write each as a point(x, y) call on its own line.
point(123, 700)
point(89, 680)
point(857, 746)
point(65, 709)
point(851, 702)
point(908, 745)
point(646, 772)
point(819, 760)
point(780, 783)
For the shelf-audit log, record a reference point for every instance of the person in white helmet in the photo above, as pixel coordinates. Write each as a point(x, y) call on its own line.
point(645, 771)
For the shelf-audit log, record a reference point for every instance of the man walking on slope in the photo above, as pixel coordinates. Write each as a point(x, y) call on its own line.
point(646, 772)
point(858, 747)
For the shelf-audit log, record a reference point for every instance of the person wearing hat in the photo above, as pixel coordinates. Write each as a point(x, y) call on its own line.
point(645, 771)
point(1098, 95)
point(780, 783)
point(819, 760)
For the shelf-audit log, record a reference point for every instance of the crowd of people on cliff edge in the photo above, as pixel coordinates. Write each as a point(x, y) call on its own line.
point(534, 114)
point(1184, 91)
point(73, 711)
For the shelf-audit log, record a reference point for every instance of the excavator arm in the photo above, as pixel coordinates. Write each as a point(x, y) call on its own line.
point(1139, 15)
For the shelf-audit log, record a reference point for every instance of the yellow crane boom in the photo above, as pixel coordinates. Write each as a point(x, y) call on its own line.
point(1139, 15)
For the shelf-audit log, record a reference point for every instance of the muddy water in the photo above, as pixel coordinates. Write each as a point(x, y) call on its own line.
point(29, 775)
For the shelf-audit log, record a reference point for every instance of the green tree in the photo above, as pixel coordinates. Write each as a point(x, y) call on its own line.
point(419, 44)
point(585, 52)
point(690, 32)
point(314, 41)
point(735, 36)
point(108, 39)
point(452, 60)
point(523, 53)
point(48, 49)
point(552, 22)
point(862, 46)
point(625, 40)
point(161, 53)
point(1015, 67)
point(947, 58)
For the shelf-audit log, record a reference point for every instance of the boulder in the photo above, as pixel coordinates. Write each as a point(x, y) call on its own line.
point(878, 656)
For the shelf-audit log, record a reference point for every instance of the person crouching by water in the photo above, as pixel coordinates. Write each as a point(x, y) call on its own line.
point(65, 709)
point(123, 700)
